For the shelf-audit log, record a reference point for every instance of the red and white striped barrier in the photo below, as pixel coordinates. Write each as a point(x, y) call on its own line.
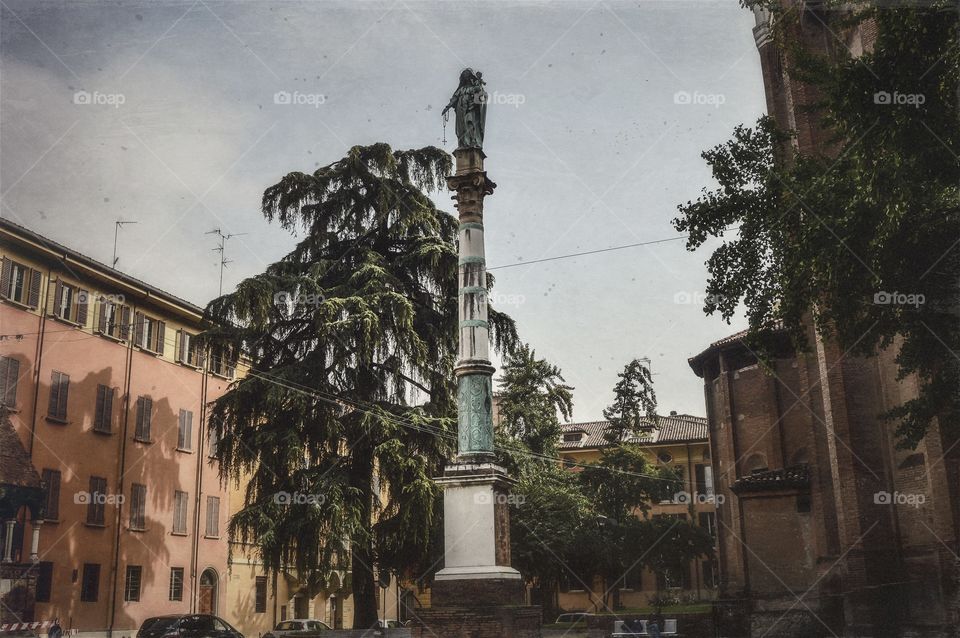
point(17, 626)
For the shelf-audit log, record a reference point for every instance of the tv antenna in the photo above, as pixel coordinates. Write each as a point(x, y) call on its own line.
point(222, 250)
point(116, 232)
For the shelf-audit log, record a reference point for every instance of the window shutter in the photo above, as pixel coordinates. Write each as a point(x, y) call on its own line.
point(181, 429)
point(124, 321)
point(62, 396)
point(181, 347)
point(9, 378)
point(5, 277)
point(147, 417)
point(57, 299)
point(138, 432)
point(34, 299)
point(98, 412)
point(161, 336)
point(82, 297)
point(138, 329)
point(108, 408)
point(102, 321)
point(54, 393)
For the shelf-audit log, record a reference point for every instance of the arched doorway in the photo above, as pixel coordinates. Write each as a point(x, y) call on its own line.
point(208, 592)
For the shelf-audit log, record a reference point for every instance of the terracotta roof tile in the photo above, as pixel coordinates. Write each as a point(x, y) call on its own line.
point(674, 428)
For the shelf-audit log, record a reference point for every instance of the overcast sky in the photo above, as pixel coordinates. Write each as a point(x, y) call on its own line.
point(167, 113)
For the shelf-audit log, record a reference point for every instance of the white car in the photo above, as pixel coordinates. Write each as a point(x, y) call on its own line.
point(297, 628)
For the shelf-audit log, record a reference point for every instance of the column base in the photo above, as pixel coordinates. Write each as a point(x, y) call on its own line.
point(478, 622)
point(469, 590)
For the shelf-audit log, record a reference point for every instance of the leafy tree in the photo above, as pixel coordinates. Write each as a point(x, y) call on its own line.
point(351, 340)
point(667, 545)
point(825, 234)
point(533, 397)
point(634, 408)
point(548, 521)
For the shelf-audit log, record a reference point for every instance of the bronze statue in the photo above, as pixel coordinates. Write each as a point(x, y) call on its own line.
point(469, 102)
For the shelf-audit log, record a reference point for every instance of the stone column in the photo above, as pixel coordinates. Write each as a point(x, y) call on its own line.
point(35, 541)
point(476, 524)
point(8, 541)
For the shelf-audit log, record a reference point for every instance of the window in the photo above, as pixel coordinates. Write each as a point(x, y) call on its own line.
point(260, 598)
point(144, 419)
point(704, 476)
point(188, 349)
point(708, 521)
point(176, 583)
point(59, 388)
point(148, 333)
point(19, 283)
point(70, 303)
point(710, 579)
point(633, 579)
point(90, 584)
point(212, 441)
point(97, 501)
point(180, 501)
point(9, 377)
point(114, 319)
point(44, 582)
point(131, 586)
point(664, 457)
point(51, 481)
point(138, 506)
point(103, 413)
point(222, 362)
point(185, 431)
point(213, 516)
point(572, 437)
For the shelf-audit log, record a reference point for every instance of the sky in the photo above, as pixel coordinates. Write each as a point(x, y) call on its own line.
point(177, 115)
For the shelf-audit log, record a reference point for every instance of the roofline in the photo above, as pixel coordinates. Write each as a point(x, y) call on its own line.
point(55, 251)
point(729, 342)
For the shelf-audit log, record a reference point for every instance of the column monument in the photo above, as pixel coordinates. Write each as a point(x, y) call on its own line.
point(477, 593)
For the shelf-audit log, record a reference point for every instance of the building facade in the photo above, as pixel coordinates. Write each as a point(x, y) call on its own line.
point(680, 442)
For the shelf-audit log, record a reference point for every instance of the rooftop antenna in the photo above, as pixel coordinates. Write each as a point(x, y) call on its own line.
point(221, 249)
point(647, 364)
point(116, 232)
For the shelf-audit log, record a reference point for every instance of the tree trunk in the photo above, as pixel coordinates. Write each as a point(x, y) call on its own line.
point(361, 552)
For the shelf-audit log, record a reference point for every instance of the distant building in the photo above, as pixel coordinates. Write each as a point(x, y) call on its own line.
point(105, 458)
point(681, 442)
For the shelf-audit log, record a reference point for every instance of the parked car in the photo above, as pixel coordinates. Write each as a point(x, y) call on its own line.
point(298, 628)
point(573, 616)
point(187, 626)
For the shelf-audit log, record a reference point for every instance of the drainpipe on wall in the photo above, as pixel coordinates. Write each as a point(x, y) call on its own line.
point(195, 554)
point(41, 333)
point(115, 564)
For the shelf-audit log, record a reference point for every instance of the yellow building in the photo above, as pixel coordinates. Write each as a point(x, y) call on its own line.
point(682, 443)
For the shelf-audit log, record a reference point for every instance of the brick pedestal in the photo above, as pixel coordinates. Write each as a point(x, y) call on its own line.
point(504, 621)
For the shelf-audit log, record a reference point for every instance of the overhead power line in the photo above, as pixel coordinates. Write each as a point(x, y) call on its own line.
point(588, 252)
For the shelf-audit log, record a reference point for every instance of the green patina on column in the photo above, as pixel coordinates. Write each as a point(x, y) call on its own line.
point(475, 413)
